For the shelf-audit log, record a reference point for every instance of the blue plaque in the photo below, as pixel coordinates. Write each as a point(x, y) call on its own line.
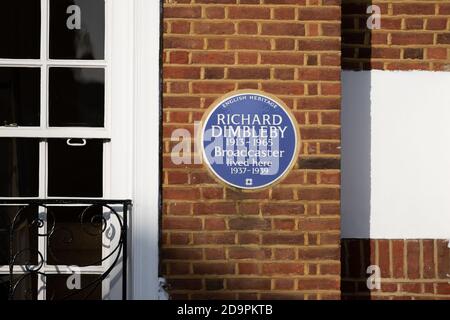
point(249, 139)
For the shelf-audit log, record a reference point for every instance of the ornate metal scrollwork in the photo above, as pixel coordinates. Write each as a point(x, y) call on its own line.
point(95, 219)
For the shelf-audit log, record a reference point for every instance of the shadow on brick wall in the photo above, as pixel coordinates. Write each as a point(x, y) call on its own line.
point(356, 36)
point(355, 258)
point(356, 148)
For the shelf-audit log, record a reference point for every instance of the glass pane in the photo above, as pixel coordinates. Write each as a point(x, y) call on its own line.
point(25, 235)
point(20, 96)
point(19, 167)
point(26, 288)
point(69, 287)
point(77, 237)
point(20, 29)
point(77, 97)
point(77, 29)
point(75, 170)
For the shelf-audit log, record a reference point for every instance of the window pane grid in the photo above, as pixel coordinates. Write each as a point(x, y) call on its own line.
point(44, 132)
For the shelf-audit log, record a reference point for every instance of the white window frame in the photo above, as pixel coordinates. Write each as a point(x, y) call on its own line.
point(133, 94)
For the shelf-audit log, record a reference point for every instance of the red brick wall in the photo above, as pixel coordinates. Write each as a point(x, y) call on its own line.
point(410, 269)
point(413, 35)
point(278, 243)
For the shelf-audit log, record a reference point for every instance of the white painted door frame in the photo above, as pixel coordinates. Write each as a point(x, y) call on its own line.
point(145, 227)
point(135, 26)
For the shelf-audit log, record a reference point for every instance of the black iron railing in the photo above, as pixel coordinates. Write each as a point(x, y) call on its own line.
point(27, 260)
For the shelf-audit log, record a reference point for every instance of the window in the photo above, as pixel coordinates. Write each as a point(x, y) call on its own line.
point(55, 142)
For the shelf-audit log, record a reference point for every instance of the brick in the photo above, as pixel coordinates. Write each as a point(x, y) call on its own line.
point(386, 53)
point(215, 224)
point(413, 257)
point(284, 13)
point(248, 238)
point(284, 284)
point(182, 43)
point(181, 73)
point(201, 178)
point(443, 38)
point(243, 12)
point(182, 223)
point(214, 238)
point(384, 258)
point(214, 208)
point(211, 87)
point(318, 284)
point(283, 239)
point(240, 253)
point(284, 44)
point(398, 258)
point(284, 74)
point(181, 102)
point(240, 195)
point(214, 284)
point(249, 224)
point(248, 73)
point(413, 8)
point(215, 254)
point(186, 284)
point(182, 12)
point(319, 194)
point(330, 269)
point(248, 208)
point(280, 88)
point(179, 208)
point(282, 58)
point(180, 239)
point(283, 209)
point(414, 23)
point(214, 28)
point(331, 29)
point(182, 254)
point(177, 268)
point(413, 53)
point(318, 254)
point(180, 27)
point(436, 24)
point(215, 74)
point(248, 268)
point(286, 29)
point(444, 8)
point(443, 259)
point(215, 13)
point(437, 53)
point(248, 284)
point(180, 194)
point(428, 259)
point(212, 58)
point(319, 224)
point(284, 254)
point(247, 27)
point(319, 74)
point(179, 57)
point(250, 43)
point(319, 45)
point(411, 38)
point(282, 268)
point(411, 287)
point(213, 268)
point(325, 13)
